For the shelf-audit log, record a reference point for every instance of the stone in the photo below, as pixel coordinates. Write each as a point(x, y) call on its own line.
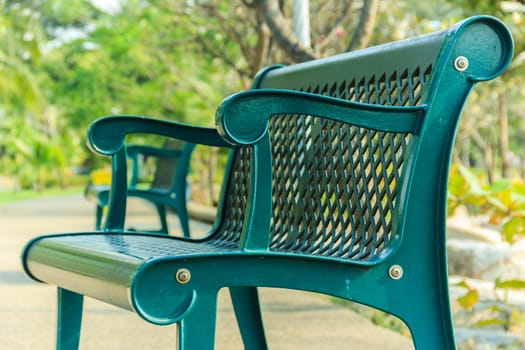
point(478, 252)
point(481, 339)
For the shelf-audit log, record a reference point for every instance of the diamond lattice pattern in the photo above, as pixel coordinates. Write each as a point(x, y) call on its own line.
point(335, 185)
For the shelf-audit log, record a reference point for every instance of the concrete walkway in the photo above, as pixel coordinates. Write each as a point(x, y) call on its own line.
point(294, 320)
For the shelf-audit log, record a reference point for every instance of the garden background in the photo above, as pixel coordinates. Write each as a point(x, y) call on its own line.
point(65, 63)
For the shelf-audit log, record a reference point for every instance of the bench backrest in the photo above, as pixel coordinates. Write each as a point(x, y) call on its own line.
point(165, 169)
point(171, 173)
point(353, 193)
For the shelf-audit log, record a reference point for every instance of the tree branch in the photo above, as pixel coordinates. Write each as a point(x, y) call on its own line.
point(366, 25)
point(282, 31)
point(329, 35)
point(178, 72)
point(214, 51)
point(227, 60)
point(263, 45)
point(230, 30)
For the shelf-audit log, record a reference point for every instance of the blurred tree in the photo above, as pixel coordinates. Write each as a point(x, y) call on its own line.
point(30, 134)
point(73, 62)
point(138, 60)
point(248, 35)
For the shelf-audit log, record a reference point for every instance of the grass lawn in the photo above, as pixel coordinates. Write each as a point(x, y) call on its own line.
point(11, 196)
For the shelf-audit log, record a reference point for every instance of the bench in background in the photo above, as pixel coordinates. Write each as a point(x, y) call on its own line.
point(168, 188)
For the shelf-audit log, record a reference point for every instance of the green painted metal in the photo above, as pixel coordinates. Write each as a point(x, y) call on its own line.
point(69, 317)
point(338, 187)
point(107, 136)
point(249, 318)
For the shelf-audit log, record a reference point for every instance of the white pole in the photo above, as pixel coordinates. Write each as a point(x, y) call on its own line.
point(301, 21)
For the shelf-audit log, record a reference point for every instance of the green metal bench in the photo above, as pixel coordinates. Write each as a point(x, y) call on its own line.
point(338, 187)
point(168, 188)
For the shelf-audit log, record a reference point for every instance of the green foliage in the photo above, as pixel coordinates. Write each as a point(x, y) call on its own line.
point(30, 135)
point(499, 314)
point(141, 60)
point(470, 298)
point(20, 195)
point(388, 321)
point(510, 284)
point(377, 317)
point(177, 60)
point(503, 201)
point(489, 322)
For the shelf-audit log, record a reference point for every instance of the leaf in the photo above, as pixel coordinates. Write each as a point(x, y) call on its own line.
point(471, 179)
point(497, 204)
point(495, 308)
point(463, 284)
point(457, 185)
point(506, 198)
point(491, 322)
point(518, 186)
point(518, 200)
point(474, 198)
point(470, 299)
point(500, 185)
point(515, 226)
point(510, 284)
point(496, 218)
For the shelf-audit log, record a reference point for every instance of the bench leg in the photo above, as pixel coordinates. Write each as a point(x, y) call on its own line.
point(69, 319)
point(197, 329)
point(99, 212)
point(424, 306)
point(248, 312)
point(432, 328)
point(161, 210)
point(182, 213)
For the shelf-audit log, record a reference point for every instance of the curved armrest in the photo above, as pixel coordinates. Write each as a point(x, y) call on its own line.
point(106, 135)
point(242, 118)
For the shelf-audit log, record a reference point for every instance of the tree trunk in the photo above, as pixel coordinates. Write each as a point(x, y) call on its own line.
point(212, 165)
point(485, 145)
point(506, 166)
point(263, 45)
point(366, 25)
point(489, 161)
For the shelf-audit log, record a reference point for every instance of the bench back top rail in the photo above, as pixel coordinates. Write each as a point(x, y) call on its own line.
point(350, 172)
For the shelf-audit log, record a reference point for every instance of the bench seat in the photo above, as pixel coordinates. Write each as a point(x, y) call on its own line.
point(118, 258)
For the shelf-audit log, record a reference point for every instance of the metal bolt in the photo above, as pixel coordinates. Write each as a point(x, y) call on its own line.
point(395, 272)
point(461, 63)
point(183, 276)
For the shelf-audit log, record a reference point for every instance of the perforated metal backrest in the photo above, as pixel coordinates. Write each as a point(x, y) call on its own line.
point(335, 185)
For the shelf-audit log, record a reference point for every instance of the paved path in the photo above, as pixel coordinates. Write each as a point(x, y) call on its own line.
point(294, 320)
